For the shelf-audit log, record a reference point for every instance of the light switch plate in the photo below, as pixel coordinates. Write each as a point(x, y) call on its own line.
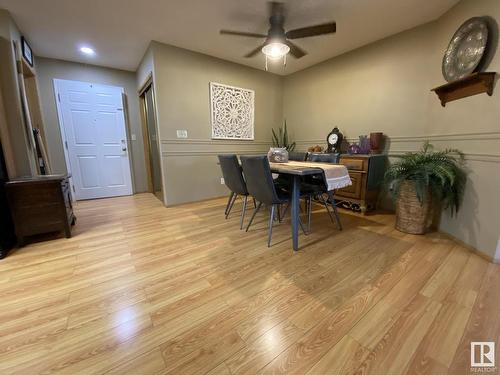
point(182, 133)
point(133, 137)
point(222, 182)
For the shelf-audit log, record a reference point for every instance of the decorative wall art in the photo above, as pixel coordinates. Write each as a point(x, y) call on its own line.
point(466, 49)
point(26, 51)
point(232, 110)
point(468, 54)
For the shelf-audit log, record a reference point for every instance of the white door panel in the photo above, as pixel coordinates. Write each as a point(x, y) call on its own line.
point(89, 172)
point(94, 128)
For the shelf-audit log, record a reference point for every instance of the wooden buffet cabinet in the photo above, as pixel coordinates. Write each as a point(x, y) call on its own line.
point(40, 204)
point(367, 174)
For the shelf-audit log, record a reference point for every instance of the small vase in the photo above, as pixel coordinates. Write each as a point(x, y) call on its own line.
point(376, 140)
point(353, 149)
point(364, 144)
point(278, 155)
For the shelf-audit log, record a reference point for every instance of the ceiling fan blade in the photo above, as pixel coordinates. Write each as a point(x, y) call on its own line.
point(255, 51)
point(304, 32)
point(243, 33)
point(295, 50)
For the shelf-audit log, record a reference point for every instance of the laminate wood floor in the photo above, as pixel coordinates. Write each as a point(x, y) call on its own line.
point(142, 289)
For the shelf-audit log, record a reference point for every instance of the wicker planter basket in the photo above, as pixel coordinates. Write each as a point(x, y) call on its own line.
point(412, 216)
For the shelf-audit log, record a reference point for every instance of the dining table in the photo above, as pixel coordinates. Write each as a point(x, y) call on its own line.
point(295, 172)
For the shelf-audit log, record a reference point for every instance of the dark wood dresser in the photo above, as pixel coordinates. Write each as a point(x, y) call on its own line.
point(367, 175)
point(40, 204)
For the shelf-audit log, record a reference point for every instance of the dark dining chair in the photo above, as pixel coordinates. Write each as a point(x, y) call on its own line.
point(233, 178)
point(297, 156)
point(284, 181)
point(323, 157)
point(315, 187)
point(261, 186)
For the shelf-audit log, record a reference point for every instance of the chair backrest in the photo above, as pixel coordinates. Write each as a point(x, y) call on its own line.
point(233, 176)
point(297, 156)
point(259, 179)
point(323, 158)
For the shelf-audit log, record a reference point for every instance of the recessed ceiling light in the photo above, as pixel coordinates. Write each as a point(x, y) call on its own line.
point(87, 51)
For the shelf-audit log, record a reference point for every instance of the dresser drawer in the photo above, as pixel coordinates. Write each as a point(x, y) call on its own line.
point(353, 191)
point(354, 164)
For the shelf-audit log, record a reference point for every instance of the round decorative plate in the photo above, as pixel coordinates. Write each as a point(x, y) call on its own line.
point(466, 49)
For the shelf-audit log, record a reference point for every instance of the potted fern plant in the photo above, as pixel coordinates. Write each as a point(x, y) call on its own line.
point(423, 183)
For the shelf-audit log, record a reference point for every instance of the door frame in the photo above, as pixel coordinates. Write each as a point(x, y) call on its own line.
point(64, 142)
point(149, 83)
point(144, 128)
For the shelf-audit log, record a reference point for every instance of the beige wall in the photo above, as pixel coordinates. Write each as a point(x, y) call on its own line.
point(20, 157)
point(381, 87)
point(145, 68)
point(182, 97)
point(475, 128)
point(385, 87)
point(50, 69)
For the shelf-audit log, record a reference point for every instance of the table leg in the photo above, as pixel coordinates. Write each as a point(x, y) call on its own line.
point(295, 212)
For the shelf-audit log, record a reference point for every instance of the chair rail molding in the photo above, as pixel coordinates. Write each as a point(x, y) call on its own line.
point(210, 153)
point(212, 147)
point(472, 144)
point(214, 141)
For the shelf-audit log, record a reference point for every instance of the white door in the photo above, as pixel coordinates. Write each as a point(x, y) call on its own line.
point(93, 127)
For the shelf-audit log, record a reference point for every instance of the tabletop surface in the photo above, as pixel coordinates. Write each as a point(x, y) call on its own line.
point(285, 168)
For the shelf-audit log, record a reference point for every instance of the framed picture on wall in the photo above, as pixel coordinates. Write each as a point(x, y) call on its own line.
point(26, 51)
point(232, 112)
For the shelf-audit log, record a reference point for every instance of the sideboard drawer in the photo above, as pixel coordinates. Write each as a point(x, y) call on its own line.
point(354, 190)
point(367, 173)
point(353, 164)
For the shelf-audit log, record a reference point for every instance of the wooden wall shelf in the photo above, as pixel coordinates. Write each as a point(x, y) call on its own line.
point(474, 84)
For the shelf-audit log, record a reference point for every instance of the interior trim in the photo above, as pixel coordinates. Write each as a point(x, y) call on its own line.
point(212, 153)
point(148, 81)
point(215, 142)
point(419, 138)
point(493, 158)
point(482, 254)
point(472, 152)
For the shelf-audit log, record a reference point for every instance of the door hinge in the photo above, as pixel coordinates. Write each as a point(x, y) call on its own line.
point(66, 144)
point(59, 97)
point(73, 186)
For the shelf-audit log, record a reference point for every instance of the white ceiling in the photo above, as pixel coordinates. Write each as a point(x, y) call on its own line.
point(120, 30)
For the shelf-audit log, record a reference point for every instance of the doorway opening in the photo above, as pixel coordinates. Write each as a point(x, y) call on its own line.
point(151, 139)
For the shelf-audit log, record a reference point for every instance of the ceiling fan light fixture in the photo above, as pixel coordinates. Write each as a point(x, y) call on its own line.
point(275, 50)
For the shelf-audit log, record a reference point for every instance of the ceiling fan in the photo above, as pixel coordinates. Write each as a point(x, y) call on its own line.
point(278, 41)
